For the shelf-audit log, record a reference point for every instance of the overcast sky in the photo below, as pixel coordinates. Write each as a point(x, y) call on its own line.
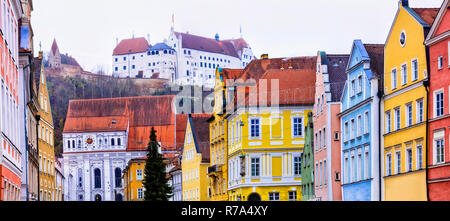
point(87, 29)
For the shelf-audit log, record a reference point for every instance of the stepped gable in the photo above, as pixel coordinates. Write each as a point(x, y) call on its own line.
point(131, 46)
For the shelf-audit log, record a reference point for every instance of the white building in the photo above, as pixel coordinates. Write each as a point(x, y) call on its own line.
point(196, 58)
point(101, 135)
point(59, 179)
point(12, 109)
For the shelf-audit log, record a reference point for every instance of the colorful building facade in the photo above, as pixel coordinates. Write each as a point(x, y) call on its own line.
point(438, 41)
point(307, 162)
point(196, 159)
point(405, 101)
point(133, 176)
point(267, 137)
point(330, 81)
point(218, 127)
point(47, 183)
point(12, 136)
point(359, 123)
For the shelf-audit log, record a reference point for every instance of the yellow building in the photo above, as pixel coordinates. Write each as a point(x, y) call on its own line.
point(266, 142)
point(195, 160)
point(405, 103)
point(47, 185)
point(133, 176)
point(218, 170)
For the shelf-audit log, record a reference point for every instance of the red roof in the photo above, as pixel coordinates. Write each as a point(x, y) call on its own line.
point(200, 129)
point(131, 46)
point(239, 44)
point(54, 46)
point(207, 44)
point(138, 114)
point(427, 14)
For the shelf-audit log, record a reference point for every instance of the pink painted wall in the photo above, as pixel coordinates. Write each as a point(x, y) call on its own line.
point(321, 153)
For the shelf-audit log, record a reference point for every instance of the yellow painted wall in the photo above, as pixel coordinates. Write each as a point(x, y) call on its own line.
point(130, 179)
point(407, 185)
point(398, 190)
point(47, 183)
point(276, 138)
point(194, 172)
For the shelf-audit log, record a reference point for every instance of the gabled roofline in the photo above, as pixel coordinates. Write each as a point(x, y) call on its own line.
point(437, 22)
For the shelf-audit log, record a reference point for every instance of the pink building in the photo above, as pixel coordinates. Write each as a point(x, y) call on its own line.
point(330, 80)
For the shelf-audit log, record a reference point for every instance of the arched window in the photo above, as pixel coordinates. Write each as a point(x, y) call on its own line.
point(112, 141)
point(118, 177)
point(97, 178)
point(80, 178)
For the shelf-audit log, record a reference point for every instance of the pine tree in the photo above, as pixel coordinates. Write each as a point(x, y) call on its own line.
point(155, 181)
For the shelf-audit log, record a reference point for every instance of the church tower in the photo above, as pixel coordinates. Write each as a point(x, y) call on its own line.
point(54, 58)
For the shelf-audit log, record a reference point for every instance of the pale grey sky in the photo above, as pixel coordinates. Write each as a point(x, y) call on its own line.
point(87, 29)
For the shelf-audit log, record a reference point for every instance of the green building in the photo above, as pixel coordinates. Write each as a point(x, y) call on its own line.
point(307, 163)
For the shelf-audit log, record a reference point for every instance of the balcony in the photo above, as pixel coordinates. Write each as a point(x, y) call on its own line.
point(213, 171)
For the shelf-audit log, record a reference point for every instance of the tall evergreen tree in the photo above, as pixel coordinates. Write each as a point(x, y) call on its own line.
point(155, 180)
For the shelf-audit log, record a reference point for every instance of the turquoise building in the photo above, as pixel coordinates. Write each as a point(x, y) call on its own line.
point(359, 118)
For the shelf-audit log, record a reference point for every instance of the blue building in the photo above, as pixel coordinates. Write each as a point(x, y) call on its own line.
point(360, 105)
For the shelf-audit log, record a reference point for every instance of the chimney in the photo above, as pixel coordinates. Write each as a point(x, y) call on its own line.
point(264, 56)
point(404, 3)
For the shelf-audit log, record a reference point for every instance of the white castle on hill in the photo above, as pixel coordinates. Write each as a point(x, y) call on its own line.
point(183, 58)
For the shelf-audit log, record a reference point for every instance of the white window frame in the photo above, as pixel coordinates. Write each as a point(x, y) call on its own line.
point(250, 128)
point(440, 62)
point(419, 111)
point(398, 162)
point(407, 160)
point(437, 136)
point(302, 127)
point(413, 76)
point(397, 118)
point(409, 111)
point(438, 91)
point(394, 79)
point(419, 155)
point(388, 164)
point(388, 121)
point(404, 74)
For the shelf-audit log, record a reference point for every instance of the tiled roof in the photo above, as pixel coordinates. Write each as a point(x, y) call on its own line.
point(138, 114)
point(295, 87)
point(239, 44)
point(257, 68)
point(200, 127)
point(337, 76)
point(160, 46)
point(427, 14)
point(376, 54)
point(207, 44)
point(181, 130)
point(131, 46)
point(231, 74)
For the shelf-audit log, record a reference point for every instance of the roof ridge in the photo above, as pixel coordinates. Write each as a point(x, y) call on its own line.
point(123, 98)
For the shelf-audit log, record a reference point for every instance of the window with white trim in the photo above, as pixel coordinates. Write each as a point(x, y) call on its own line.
point(255, 126)
point(419, 156)
point(440, 62)
point(274, 196)
point(419, 106)
point(409, 114)
point(388, 164)
point(398, 158)
point(409, 160)
point(388, 121)
point(297, 126)
point(414, 70)
point(439, 150)
point(394, 78)
point(404, 74)
point(439, 103)
point(397, 118)
point(255, 166)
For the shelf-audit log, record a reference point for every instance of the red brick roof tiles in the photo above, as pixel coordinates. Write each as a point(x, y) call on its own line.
point(200, 127)
point(427, 14)
point(138, 114)
point(207, 44)
point(131, 46)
